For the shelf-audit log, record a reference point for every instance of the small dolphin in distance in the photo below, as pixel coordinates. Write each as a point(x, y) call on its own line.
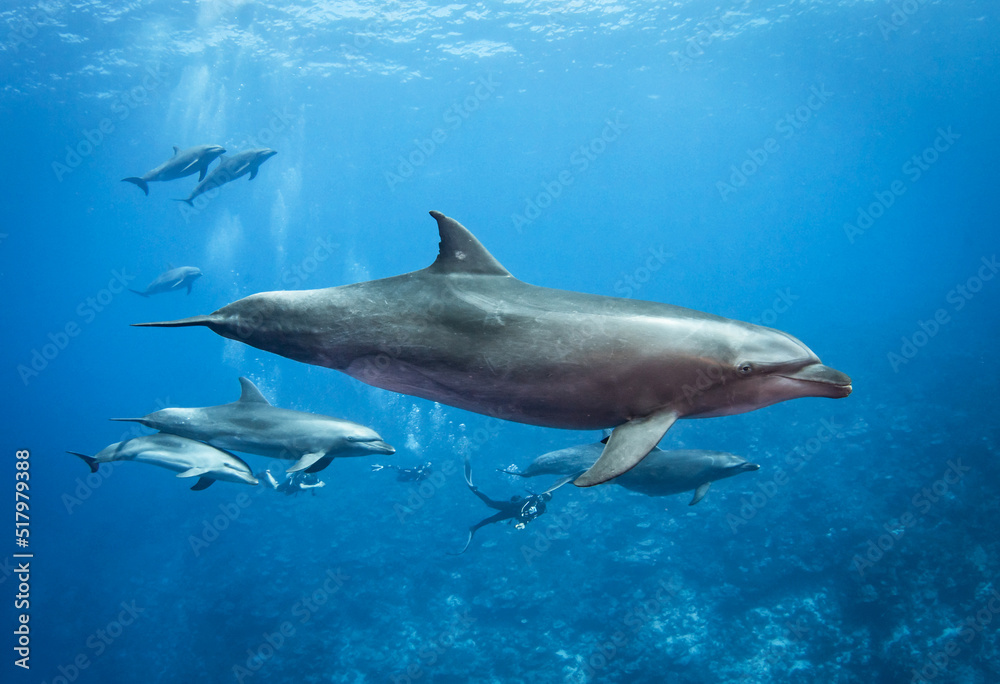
point(186, 457)
point(661, 473)
point(466, 333)
point(183, 163)
point(171, 281)
point(231, 168)
point(252, 425)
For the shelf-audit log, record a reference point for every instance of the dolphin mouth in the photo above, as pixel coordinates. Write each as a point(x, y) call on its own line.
point(380, 447)
point(832, 382)
point(750, 467)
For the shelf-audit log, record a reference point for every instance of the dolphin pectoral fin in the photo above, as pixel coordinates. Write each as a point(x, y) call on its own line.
point(189, 287)
point(202, 483)
point(629, 443)
point(193, 472)
point(700, 493)
point(89, 460)
point(306, 461)
point(253, 173)
point(204, 170)
point(176, 150)
point(141, 294)
point(561, 481)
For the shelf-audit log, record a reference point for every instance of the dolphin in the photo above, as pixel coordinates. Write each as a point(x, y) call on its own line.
point(231, 168)
point(183, 163)
point(172, 280)
point(661, 473)
point(186, 457)
point(252, 425)
point(466, 333)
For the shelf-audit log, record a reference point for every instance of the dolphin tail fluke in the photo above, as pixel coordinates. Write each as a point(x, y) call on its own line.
point(143, 185)
point(629, 443)
point(89, 460)
point(141, 294)
point(206, 321)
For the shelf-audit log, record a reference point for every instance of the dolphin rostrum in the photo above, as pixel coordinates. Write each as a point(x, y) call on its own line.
point(183, 163)
point(466, 333)
point(186, 457)
point(231, 168)
point(252, 425)
point(172, 280)
point(661, 473)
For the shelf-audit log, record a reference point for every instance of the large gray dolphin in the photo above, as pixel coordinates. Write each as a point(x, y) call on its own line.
point(186, 457)
point(172, 280)
point(661, 473)
point(252, 425)
point(231, 168)
point(465, 332)
point(183, 163)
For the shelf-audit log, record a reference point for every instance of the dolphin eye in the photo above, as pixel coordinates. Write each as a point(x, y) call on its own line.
point(745, 369)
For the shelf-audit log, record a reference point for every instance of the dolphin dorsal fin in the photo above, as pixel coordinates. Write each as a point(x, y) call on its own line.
point(176, 150)
point(250, 394)
point(461, 252)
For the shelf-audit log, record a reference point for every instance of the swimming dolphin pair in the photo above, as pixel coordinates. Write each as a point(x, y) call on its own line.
point(183, 163)
point(252, 425)
point(661, 473)
point(466, 333)
point(186, 457)
point(172, 280)
point(231, 168)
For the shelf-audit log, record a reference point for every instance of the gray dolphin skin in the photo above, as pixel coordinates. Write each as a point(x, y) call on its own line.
point(231, 168)
point(172, 281)
point(466, 333)
point(183, 163)
point(661, 473)
point(186, 457)
point(252, 425)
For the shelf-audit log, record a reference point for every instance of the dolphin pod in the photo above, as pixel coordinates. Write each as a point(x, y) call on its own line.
point(252, 425)
point(186, 457)
point(231, 168)
point(661, 473)
point(172, 280)
point(466, 333)
point(184, 163)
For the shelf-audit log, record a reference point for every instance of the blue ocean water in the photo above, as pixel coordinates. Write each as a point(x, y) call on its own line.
point(824, 168)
